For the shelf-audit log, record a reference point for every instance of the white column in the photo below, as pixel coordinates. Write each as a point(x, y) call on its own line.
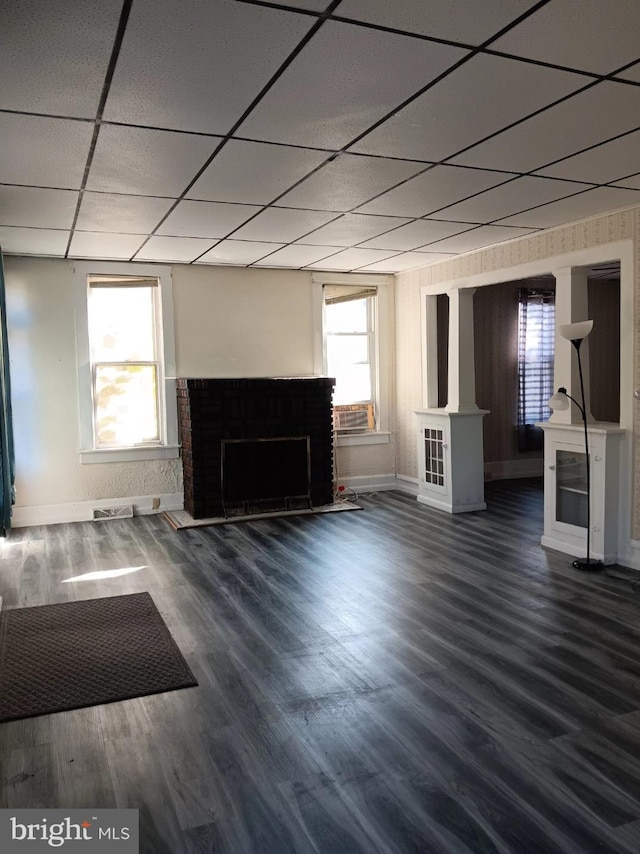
point(571, 307)
point(430, 352)
point(462, 372)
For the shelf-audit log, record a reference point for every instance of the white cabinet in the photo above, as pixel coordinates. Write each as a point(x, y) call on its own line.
point(565, 488)
point(450, 460)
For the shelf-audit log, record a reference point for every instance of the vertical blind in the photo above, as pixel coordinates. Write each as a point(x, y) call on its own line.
point(536, 334)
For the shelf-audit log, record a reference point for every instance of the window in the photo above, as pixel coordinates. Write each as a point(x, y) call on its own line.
point(536, 333)
point(125, 349)
point(349, 323)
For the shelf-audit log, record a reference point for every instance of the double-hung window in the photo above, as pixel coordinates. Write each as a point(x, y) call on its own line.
point(355, 347)
point(536, 331)
point(127, 403)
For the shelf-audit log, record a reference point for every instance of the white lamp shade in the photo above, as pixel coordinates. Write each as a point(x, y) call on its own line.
point(558, 401)
point(576, 331)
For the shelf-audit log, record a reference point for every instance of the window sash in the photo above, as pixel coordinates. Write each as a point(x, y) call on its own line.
point(339, 294)
point(116, 283)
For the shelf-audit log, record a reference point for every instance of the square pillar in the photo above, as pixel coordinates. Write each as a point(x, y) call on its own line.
point(462, 371)
point(572, 306)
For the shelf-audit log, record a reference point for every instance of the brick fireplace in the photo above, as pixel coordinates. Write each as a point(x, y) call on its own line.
point(255, 445)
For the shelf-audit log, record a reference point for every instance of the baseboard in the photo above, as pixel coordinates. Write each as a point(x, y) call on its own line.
point(512, 469)
point(369, 483)
point(407, 484)
point(82, 511)
point(630, 557)
point(448, 507)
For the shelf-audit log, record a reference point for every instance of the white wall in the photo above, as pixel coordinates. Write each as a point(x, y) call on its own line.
point(228, 322)
point(235, 322)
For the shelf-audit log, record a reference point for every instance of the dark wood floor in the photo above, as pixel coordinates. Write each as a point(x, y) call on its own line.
point(394, 680)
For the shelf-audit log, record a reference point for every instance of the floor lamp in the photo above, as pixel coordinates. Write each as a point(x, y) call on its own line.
point(576, 333)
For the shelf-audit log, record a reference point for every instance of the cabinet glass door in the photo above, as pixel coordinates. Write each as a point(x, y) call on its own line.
point(571, 488)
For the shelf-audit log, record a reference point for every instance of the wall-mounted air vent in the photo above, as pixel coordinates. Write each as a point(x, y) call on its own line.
point(124, 512)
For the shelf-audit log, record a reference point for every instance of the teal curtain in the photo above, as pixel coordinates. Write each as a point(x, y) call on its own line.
point(7, 460)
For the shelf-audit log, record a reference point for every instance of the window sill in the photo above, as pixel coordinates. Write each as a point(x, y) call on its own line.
point(381, 438)
point(126, 455)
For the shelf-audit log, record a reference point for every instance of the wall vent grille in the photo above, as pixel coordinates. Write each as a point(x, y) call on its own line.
point(124, 512)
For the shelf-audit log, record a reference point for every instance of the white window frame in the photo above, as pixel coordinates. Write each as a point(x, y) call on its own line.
point(382, 348)
point(168, 447)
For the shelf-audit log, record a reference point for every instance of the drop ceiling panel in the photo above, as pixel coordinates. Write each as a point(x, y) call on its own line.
point(632, 73)
point(238, 252)
point(577, 207)
point(208, 62)
point(254, 172)
point(595, 115)
point(120, 214)
point(485, 235)
point(351, 259)
point(351, 229)
point(282, 225)
point(510, 198)
point(104, 245)
point(484, 95)
point(180, 249)
point(600, 165)
point(339, 84)
point(585, 34)
point(33, 241)
point(311, 5)
point(440, 186)
point(55, 56)
point(148, 162)
point(416, 234)
point(348, 181)
point(406, 261)
point(43, 152)
point(206, 219)
point(37, 208)
point(633, 182)
point(298, 255)
point(456, 20)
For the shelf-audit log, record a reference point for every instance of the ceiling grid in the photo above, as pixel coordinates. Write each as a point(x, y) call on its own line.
point(349, 135)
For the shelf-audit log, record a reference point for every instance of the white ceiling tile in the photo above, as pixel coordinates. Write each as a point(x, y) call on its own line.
point(602, 164)
point(339, 84)
point(485, 235)
point(120, 214)
point(442, 185)
point(44, 152)
point(298, 255)
point(348, 181)
point(577, 207)
point(416, 234)
point(633, 182)
point(406, 261)
point(510, 198)
point(352, 228)
point(101, 244)
point(37, 208)
point(54, 56)
point(33, 241)
point(179, 249)
point(351, 259)
point(254, 172)
point(206, 219)
point(311, 5)
point(456, 20)
point(632, 73)
point(208, 62)
point(482, 96)
point(238, 252)
point(585, 34)
point(149, 162)
point(282, 225)
point(597, 114)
